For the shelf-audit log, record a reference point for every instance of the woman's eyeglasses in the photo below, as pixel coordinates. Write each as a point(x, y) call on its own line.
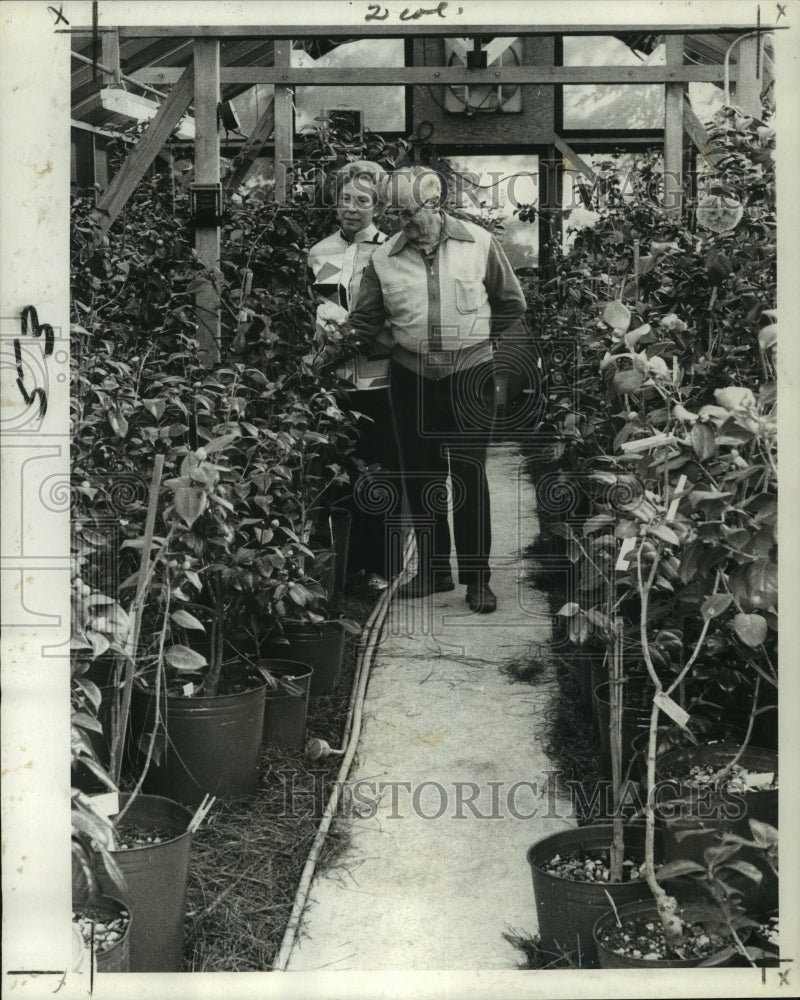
point(362, 202)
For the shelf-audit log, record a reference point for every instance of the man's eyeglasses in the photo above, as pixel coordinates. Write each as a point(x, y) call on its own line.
point(405, 214)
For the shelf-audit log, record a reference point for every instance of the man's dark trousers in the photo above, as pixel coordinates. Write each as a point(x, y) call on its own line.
point(445, 425)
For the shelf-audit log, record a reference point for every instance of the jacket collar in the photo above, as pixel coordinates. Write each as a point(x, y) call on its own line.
point(451, 229)
point(365, 235)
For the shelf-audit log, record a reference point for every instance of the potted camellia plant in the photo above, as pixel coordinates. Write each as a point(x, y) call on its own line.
point(130, 851)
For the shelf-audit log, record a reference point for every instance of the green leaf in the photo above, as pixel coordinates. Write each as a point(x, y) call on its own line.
point(675, 869)
point(86, 721)
point(183, 658)
point(118, 422)
point(569, 609)
point(100, 643)
point(745, 868)
point(715, 605)
point(221, 442)
point(155, 407)
point(186, 620)
point(751, 629)
point(194, 579)
point(190, 502)
point(704, 441)
point(664, 533)
point(598, 521)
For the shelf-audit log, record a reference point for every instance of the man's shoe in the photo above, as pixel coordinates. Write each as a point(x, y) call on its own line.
point(421, 586)
point(480, 598)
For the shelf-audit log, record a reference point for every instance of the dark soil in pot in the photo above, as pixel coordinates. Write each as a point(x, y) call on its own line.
point(640, 942)
point(105, 928)
point(692, 813)
point(570, 889)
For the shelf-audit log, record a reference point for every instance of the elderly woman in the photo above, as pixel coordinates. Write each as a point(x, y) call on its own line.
point(336, 265)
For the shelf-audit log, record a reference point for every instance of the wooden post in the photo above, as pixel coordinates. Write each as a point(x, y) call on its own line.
point(748, 83)
point(551, 172)
point(109, 57)
point(284, 124)
point(206, 171)
point(673, 130)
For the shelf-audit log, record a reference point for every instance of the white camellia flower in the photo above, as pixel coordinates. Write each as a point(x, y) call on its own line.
point(719, 213)
point(735, 398)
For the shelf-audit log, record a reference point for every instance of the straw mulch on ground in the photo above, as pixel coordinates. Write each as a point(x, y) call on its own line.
point(247, 857)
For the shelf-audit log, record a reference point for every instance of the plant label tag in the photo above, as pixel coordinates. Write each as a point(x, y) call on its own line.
point(623, 559)
point(672, 709)
point(188, 689)
point(107, 804)
point(763, 778)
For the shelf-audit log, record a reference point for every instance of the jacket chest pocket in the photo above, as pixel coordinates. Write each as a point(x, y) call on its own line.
point(469, 294)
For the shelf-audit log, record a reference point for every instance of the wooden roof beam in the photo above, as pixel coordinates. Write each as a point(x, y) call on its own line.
point(442, 28)
point(252, 148)
point(314, 76)
point(145, 151)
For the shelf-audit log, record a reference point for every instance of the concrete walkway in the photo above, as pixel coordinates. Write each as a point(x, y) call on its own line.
point(436, 870)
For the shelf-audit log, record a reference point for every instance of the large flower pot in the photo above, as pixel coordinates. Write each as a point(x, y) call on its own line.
point(567, 910)
point(156, 876)
point(647, 910)
point(285, 713)
point(320, 646)
point(634, 718)
point(107, 956)
point(693, 819)
point(213, 745)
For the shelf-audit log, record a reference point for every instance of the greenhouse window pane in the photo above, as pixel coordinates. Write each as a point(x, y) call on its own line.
point(381, 109)
point(611, 106)
point(490, 188)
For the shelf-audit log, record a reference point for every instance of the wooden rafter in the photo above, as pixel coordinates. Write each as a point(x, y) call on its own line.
point(145, 151)
point(442, 27)
point(696, 131)
point(252, 148)
point(573, 160)
point(362, 76)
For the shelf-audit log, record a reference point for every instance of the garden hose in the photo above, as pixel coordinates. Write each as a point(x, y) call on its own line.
point(372, 632)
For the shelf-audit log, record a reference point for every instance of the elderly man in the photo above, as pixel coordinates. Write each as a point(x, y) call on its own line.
point(447, 290)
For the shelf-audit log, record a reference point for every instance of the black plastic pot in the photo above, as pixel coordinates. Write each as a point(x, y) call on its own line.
point(157, 876)
point(116, 958)
point(634, 719)
point(647, 908)
point(691, 820)
point(567, 910)
point(284, 713)
point(213, 745)
point(320, 646)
